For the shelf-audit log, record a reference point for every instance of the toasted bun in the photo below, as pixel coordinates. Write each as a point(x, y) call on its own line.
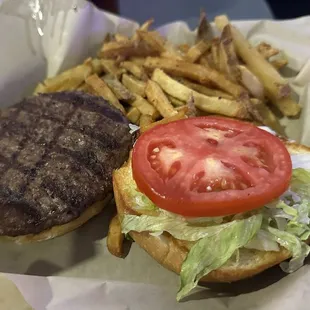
point(171, 252)
point(60, 230)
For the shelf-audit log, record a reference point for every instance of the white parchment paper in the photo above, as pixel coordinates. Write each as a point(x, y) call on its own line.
point(41, 38)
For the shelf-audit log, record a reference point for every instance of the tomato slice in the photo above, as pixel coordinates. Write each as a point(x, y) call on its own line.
point(210, 166)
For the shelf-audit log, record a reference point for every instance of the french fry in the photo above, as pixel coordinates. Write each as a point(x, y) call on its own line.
point(125, 49)
point(251, 82)
point(83, 87)
point(171, 52)
point(179, 115)
point(115, 237)
point(113, 49)
point(145, 120)
point(158, 99)
point(277, 89)
point(279, 63)
point(103, 90)
point(134, 85)
point(134, 69)
point(40, 89)
point(197, 50)
point(133, 115)
point(120, 38)
point(144, 107)
point(138, 60)
point(153, 40)
point(205, 90)
point(68, 80)
point(204, 30)
point(215, 54)
point(217, 105)
point(120, 91)
point(145, 27)
point(184, 48)
point(266, 50)
point(195, 72)
point(268, 117)
point(109, 66)
point(175, 101)
point(95, 63)
point(227, 54)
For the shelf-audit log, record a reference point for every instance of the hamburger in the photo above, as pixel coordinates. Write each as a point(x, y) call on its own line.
point(57, 155)
point(216, 200)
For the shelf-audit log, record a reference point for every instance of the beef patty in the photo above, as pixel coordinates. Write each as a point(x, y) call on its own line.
point(57, 154)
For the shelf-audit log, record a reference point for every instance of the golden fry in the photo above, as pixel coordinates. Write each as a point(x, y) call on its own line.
point(251, 82)
point(267, 50)
point(195, 72)
point(279, 63)
point(277, 88)
point(268, 117)
point(95, 63)
point(215, 54)
point(121, 92)
point(134, 85)
point(114, 49)
point(205, 90)
point(124, 50)
point(138, 61)
point(68, 80)
point(175, 101)
point(134, 69)
point(217, 105)
point(145, 120)
point(115, 237)
point(227, 54)
point(133, 115)
point(103, 90)
point(109, 66)
point(120, 38)
point(197, 50)
point(184, 48)
point(171, 52)
point(158, 99)
point(204, 31)
point(179, 115)
point(40, 89)
point(144, 27)
point(144, 107)
point(153, 40)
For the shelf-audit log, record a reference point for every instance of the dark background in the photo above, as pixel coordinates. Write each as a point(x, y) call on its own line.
point(281, 9)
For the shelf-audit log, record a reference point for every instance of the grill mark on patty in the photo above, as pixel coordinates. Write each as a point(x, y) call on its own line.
point(41, 199)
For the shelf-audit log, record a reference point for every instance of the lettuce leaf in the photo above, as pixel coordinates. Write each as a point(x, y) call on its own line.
point(176, 226)
point(299, 249)
point(263, 241)
point(213, 251)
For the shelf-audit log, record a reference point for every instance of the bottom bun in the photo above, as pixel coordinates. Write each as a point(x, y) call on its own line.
point(60, 230)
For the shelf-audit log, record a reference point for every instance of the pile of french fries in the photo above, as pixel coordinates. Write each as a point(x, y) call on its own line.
point(152, 81)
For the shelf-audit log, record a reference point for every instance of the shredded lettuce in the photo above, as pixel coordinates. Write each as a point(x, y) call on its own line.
point(140, 201)
point(214, 250)
point(175, 226)
point(299, 249)
point(292, 210)
point(263, 241)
